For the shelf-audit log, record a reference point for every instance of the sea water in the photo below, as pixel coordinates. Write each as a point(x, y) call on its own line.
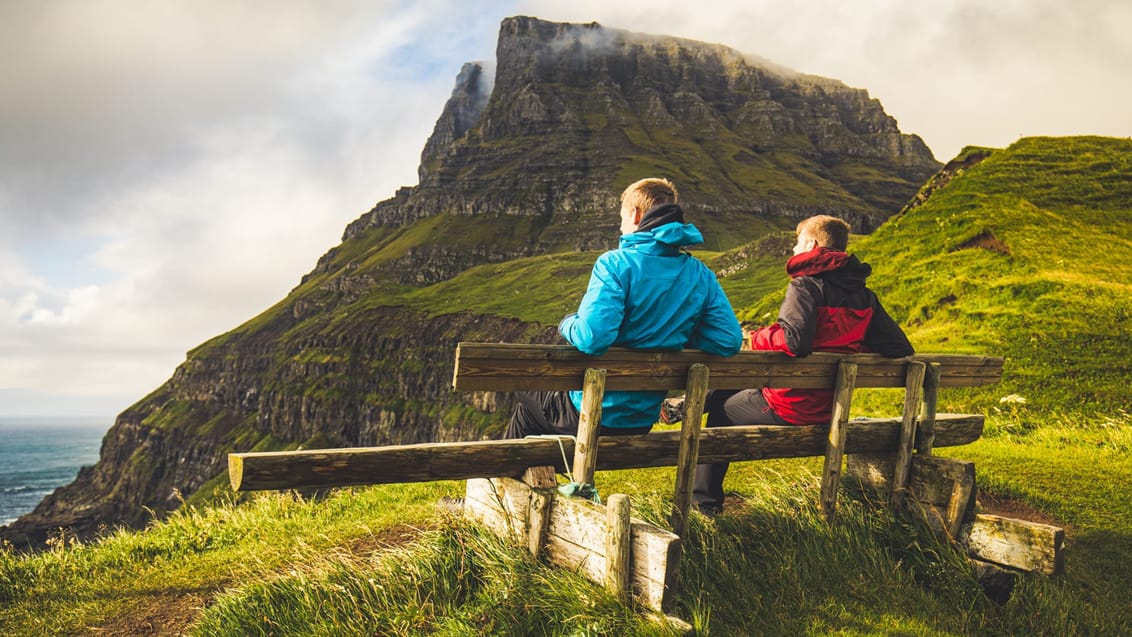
point(39, 455)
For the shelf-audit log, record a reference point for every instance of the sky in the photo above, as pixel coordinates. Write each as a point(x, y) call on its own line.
point(169, 170)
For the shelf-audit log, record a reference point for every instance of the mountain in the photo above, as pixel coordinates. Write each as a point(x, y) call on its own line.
point(522, 171)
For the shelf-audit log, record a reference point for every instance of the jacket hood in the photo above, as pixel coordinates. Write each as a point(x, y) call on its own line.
point(841, 268)
point(666, 238)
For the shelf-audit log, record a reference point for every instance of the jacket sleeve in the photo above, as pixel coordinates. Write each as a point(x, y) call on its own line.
point(797, 321)
point(885, 337)
point(718, 331)
point(594, 327)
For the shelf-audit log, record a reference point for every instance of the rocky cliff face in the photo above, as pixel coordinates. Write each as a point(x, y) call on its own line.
point(576, 112)
point(527, 164)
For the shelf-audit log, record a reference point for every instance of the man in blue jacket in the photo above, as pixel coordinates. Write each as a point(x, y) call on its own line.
point(648, 294)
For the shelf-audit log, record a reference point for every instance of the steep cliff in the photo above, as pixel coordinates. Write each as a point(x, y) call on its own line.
point(577, 112)
point(527, 164)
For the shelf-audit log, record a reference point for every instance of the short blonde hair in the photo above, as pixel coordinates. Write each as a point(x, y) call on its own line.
point(648, 193)
point(829, 232)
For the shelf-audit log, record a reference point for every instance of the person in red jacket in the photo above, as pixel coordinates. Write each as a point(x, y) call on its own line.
point(827, 308)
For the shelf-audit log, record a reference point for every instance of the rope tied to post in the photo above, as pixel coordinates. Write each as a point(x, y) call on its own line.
point(572, 489)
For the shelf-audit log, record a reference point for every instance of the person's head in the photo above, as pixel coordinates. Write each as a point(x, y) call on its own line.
point(822, 230)
point(641, 196)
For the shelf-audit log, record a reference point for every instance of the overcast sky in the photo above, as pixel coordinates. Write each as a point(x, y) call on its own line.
point(168, 170)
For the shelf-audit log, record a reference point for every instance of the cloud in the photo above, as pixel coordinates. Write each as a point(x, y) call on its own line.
point(183, 175)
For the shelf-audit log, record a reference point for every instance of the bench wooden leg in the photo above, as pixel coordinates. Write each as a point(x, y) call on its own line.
point(926, 428)
point(589, 425)
point(687, 458)
point(913, 391)
point(838, 428)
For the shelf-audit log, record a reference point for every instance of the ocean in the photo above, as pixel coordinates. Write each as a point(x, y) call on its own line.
point(39, 455)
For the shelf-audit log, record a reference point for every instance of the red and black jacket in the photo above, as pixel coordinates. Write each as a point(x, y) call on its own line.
point(827, 309)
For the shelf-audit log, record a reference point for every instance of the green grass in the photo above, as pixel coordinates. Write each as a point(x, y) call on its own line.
point(387, 560)
point(196, 552)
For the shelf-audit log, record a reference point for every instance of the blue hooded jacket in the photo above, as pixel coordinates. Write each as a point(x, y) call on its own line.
point(650, 295)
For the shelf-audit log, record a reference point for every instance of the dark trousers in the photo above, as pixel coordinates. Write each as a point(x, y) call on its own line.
point(728, 408)
point(553, 413)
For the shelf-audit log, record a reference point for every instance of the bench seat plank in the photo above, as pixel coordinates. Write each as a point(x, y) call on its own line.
point(426, 462)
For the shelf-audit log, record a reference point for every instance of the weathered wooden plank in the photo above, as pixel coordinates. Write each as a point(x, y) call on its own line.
point(576, 537)
point(913, 391)
point(960, 504)
point(835, 440)
point(589, 425)
point(944, 485)
point(570, 539)
point(930, 480)
point(464, 460)
point(1020, 544)
point(500, 505)
point(926, 427)
point(689, 453)
point(517, 367)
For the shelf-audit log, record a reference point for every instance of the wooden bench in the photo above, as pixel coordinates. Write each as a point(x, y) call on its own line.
point(511, 483)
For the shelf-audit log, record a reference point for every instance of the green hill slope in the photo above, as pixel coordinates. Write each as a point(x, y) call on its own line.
point(1027, 252)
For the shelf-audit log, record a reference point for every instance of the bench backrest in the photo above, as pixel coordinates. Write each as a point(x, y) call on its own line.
point(515, 367)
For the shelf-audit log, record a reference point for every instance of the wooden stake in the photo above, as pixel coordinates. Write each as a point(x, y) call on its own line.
point(542, 482)
point(589, 425)
point(913, 390)
point(838, 428)
point(617, 545)
point(686, 459)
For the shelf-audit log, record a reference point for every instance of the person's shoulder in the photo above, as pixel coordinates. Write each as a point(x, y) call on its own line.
point(806, 282)
point(612, 261)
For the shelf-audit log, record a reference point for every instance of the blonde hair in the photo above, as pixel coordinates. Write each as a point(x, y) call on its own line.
point(829, 232)
point(648, 193)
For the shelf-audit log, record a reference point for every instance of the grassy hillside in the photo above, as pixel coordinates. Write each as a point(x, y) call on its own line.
point(1025, 253)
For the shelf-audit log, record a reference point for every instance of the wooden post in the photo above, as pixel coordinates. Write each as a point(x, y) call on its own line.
point(838, 428)
point(541, 480)
point(927, 412)
point(686, 459)
point(589, 425)
point(617, 542)
point(913, 390)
